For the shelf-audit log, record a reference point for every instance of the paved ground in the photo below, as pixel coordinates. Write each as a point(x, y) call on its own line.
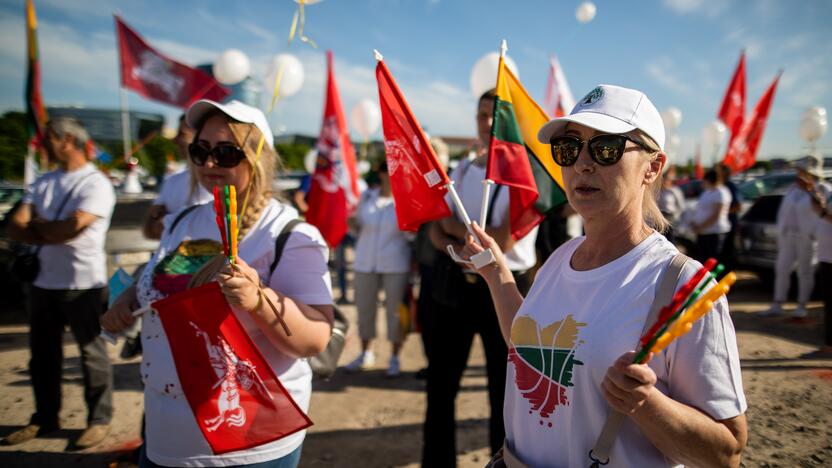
point(370, 421)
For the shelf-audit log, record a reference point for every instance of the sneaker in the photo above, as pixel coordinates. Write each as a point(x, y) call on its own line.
point(364, 361)
point(132, 347)
point(775, 310)
point(27, 433)
point(393, 370)
point(92, 435)
point(800, 312)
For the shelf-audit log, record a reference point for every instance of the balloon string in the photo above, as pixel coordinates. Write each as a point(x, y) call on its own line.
point(298, 21)
point(275, 96)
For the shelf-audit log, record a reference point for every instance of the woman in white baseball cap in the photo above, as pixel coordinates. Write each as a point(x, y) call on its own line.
point(223, 152)
point(572, 338)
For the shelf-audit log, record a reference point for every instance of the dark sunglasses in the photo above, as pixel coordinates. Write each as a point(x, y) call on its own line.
point(226, 156)
point(605, 149)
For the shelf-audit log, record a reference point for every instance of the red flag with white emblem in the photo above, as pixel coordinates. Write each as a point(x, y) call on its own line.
point(742, 150)
point(157, 77)
point(333, 194)
point(732, 110)
point(234, 394)
point(418, 181)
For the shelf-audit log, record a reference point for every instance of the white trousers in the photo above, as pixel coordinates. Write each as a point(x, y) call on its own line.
point(794, 247)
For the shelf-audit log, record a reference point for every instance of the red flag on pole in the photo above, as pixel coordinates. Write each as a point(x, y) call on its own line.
point(157, 77)
point(333, 193)
point(237, 400)
point(698, 170)
point(732, 110)
point(558, 100)
point(417, 179)
point(742, 150)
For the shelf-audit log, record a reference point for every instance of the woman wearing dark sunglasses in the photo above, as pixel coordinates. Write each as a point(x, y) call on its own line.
point(572, 338)
point(224, 152)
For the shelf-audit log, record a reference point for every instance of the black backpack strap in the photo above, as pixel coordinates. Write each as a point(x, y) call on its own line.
point(182, 215)
point(280, 243)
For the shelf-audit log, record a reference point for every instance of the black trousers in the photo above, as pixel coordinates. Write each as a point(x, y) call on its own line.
point(826, 278)
point(709, 246)
point(51, 311)
point(426, 307)
point(451, 334)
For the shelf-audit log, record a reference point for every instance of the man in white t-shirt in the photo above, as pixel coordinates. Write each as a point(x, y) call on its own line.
point(66, 213)
point(710, 221)
point(796, 243)
point(468, 310)
point(177, 190)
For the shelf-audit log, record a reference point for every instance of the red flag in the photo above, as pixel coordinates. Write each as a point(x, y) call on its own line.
point(155, 76)
point(742, 150)
point(333, 193)
point(237, 400)
point(732, 110)
point(35, 111)
point(558, 100)
point(698, 171)
point(417, 179)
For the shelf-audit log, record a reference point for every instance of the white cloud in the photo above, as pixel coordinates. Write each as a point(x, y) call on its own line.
point(665, 72)
point(710, 8)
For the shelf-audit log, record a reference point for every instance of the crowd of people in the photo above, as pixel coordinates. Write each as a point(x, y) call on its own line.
point(558, 318)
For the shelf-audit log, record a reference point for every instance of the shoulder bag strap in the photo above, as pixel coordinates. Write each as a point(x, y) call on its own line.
point(664, 294)
point(181, 215)
point(280, 243)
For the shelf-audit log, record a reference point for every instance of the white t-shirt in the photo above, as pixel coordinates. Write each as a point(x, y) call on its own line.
point(588, 319)
point(176, 192)
point(468, 178)
point(719, 196)
point(381, 246)
point(79, 263)
point(172, 435)
point(796, 214)
point(671, 202)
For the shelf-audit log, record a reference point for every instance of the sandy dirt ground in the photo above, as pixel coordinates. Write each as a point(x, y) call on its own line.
point(368, 420)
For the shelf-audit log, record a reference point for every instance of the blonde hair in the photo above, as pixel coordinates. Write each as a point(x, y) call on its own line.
point(247, 136)
point(649, 204)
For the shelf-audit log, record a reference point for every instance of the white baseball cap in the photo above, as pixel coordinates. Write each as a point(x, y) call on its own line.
point(611, 109)
point(234, 109)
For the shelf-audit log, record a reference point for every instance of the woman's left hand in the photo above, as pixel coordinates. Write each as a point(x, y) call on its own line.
point(627, 386)
point(239, 284)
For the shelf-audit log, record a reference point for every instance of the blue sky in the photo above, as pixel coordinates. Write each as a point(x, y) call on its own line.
point(680, 52)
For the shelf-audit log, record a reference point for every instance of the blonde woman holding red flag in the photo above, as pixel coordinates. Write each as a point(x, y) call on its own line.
point(224, 152)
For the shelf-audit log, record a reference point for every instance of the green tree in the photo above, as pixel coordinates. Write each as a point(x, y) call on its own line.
point(13, 138)
point(292, 155)
point(154, 155)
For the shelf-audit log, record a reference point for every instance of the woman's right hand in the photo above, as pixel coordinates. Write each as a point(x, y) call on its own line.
point(118, 317)
point(492, 270)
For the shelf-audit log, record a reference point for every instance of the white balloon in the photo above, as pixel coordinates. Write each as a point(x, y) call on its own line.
point(365, 118)
point(811, 129)
point(815, 111)
point(672, 117)
point(309, 160)
point(484, 73)
point(291, 79)
point(363, 166)
point(585, 12)
point(231, 67)
point(713, 133)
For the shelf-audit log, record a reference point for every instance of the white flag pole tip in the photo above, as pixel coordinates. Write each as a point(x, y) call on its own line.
point(378, 55)
point(503, 48)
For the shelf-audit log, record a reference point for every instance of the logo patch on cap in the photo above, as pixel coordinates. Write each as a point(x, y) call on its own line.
point(592, 96)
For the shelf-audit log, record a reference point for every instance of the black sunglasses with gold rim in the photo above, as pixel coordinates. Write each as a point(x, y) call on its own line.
point(605, 149)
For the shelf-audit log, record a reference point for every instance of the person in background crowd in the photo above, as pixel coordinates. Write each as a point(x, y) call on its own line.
point(66, 212)
point(796, 224)
point(671, 202)
point(466, 309)
point(382, 261)
point(425, 255)
point(223, 153)
point(177, 190)
point(821, 207)
point(571, 337)
point(710, 220)
point(728, 254)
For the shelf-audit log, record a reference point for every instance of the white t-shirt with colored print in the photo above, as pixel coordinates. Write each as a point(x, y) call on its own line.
point(554, 408)
point(172, 435)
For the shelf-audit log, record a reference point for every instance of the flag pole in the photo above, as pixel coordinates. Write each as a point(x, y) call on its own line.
point(487, 183)
point(125, 124)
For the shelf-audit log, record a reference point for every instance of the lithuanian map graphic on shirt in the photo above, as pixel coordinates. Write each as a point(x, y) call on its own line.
point(172, 274)
point(543, 360)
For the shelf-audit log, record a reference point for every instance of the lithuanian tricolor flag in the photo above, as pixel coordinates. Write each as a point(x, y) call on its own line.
point(35, 111)
point(518, 160)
